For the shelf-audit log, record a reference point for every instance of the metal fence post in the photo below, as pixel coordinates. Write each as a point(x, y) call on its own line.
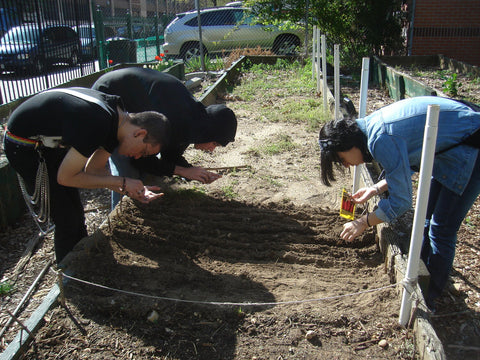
point(100, 33)
point(157, 39)
point(129, 25)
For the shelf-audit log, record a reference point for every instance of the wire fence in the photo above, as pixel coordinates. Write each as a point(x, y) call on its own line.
point(38, 49)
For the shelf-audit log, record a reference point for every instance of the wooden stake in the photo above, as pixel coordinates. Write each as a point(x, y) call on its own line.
point(228, 168)
point(60, 286)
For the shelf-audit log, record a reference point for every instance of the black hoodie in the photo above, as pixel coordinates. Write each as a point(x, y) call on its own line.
point(191, 122)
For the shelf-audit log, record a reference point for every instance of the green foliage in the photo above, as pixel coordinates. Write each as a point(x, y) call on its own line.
point(361, 28)
point(5, 288)
point(229, 192)
point(281, 144)
point(288, 92)
point(475, 80)
point(195, 64)
point(451, 84)
point(160, 63)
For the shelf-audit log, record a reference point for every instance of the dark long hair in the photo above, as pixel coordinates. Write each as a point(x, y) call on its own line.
point(338, 136)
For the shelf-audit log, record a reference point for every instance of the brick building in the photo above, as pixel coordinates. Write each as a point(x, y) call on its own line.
point(448, 27)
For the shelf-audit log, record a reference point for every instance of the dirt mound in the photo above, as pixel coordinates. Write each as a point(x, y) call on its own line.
point(199, 262)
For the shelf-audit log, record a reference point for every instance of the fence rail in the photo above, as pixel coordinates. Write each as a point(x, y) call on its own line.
point(116, 33)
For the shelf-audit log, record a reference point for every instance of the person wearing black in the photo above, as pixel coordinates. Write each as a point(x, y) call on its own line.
point(191, 122)
point(60, 140)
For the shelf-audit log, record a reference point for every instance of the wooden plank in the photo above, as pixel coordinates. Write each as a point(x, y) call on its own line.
point(217, 89)
point(23, 338)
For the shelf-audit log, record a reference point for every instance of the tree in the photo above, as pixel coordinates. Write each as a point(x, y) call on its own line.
point(360, 27)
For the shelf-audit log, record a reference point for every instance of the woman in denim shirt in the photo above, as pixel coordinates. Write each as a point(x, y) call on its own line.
point(393, 136)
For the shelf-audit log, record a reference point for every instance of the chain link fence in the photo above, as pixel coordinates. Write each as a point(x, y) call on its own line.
point(46, 43)
point(40, 47)
point(175, 30)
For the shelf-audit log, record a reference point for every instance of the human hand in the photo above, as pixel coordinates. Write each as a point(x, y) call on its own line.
point(200, 174)
point(363, 195)
point(146, 195)
point(353, 229)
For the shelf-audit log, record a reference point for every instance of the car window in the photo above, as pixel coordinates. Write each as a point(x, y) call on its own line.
point(218, 18)
point(242, 18)
point(20, 35)
point(192, 22)
point(214, 18)
point(60, 35)
point(49, 35)
point(70, 34)
point(84, 32)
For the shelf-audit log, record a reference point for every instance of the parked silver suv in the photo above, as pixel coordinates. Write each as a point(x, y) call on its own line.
point(225, 28)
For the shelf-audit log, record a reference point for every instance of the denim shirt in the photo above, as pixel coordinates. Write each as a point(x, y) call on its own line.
point(395, 140)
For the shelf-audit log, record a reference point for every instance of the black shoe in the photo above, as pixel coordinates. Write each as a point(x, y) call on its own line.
point(431, 306)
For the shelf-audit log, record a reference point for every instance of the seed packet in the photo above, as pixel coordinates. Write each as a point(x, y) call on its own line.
point(347, 206)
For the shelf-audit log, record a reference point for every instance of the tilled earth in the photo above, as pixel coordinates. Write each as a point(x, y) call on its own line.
point(249, 267)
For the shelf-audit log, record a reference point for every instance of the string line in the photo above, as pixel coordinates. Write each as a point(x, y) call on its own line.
point(220, 303)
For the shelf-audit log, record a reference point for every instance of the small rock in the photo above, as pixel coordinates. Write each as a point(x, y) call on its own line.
point(310, 334)
point(153, 316)
point(383, 343)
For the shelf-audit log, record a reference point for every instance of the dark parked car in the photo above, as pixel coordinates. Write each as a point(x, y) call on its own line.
point(33, 47)
point(8, 18)
point(88, 40)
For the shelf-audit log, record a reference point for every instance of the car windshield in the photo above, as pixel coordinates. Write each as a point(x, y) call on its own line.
point(20, 35)
point(84, 32)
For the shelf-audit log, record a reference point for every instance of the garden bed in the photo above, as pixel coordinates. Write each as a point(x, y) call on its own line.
point(265, 233)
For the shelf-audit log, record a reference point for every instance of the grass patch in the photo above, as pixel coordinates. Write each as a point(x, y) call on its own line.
point(229, 192)
point(282, 143)
point(288, 93)
point(278, 144)
point(5, 288)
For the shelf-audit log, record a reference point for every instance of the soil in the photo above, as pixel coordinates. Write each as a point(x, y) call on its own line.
point(248, 267)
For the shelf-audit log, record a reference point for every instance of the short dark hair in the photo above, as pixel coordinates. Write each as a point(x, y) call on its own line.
point(157, 126)
point(338, 136)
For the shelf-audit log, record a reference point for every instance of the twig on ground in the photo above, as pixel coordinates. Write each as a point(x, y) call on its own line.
point(27, 254)
point(226, 168)
point(26, 297)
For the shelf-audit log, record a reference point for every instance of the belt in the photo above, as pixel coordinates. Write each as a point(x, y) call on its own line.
point(40, 140)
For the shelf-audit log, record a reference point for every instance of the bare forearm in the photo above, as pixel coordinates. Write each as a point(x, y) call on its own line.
point(381, 186)
point(92, 181)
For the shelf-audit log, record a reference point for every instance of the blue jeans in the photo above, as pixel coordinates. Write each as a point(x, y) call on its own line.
point(445, 213)
point(121, 166)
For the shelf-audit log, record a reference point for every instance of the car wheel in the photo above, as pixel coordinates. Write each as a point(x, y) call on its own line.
point(73, 58)
point(286, 45)
point(191, 51)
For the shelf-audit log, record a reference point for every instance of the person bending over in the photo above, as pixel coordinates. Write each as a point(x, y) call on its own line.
point(393, 136)
point(60, 140)
point(191, 122)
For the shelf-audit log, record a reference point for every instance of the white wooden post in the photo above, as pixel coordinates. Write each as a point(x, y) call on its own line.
point(361, 113)
point(426, 166)
point(336, 61)
point(314, 52)
point(318, 60)
point(324, 73)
